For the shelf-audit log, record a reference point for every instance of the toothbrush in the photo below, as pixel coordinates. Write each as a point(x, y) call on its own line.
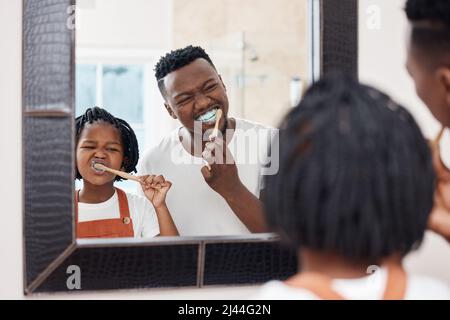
point(121, 174)
point(215, 132)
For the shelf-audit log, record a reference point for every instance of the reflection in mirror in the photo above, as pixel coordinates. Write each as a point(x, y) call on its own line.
point(262, 59)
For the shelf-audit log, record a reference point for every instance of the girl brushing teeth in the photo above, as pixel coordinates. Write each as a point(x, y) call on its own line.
point(209, 116)
point(103, 211)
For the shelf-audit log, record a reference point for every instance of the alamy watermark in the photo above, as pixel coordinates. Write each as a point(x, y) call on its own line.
point(73, 13)
point(373, 17)
point(73, 281)
point(374, 274)
point(254, 146)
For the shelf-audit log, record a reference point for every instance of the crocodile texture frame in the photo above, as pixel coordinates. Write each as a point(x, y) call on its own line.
point(50, 247)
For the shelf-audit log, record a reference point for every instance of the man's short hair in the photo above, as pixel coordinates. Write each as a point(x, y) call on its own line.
point(430, 21)
point(177, 59)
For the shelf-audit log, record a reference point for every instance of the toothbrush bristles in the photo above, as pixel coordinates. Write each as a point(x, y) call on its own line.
point(97, 166)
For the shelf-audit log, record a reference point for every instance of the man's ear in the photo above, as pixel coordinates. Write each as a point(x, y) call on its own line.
point(443, 74)
point(444, 77)
point(170, 110)
point(220, 77)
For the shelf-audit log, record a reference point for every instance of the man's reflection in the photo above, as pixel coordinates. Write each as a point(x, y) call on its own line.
point(222, 198)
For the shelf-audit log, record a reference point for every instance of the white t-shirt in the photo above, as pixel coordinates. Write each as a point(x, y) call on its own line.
point(196, 209)
point(142, 213)
point(368, 288)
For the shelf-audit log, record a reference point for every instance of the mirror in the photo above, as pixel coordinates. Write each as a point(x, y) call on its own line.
point(262, 57)
point(54, 257)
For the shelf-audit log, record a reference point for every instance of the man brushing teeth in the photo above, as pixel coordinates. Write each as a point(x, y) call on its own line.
point(222, 199)
point(209, 117)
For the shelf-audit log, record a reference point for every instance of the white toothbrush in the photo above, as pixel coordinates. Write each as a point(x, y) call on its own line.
point(101, 167)
point(215, 132)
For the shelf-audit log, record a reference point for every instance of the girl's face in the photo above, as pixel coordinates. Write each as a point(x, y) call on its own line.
point(100, 142)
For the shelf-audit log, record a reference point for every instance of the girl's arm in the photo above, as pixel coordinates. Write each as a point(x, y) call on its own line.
point(166, 225)
point(155, 190)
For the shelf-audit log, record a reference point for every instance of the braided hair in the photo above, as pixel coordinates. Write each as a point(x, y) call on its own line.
point(129, 141)
point(355, 174)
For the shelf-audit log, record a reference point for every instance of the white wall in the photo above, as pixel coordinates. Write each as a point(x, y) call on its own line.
point(10, 137)
point(382, 57)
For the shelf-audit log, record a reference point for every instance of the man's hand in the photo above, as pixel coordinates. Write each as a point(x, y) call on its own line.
point(223, 176)
point(155, 189)
point(439, 220)
point(224, 179)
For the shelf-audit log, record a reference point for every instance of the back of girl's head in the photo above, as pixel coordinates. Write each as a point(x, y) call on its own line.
point(129, 141)
point(355, 176)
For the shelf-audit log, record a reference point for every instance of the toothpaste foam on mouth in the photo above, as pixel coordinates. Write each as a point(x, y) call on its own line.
point(208, 116)
point(95, 168)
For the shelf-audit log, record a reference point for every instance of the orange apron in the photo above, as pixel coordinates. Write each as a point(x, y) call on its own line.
point(320, 285)
point(108, 228)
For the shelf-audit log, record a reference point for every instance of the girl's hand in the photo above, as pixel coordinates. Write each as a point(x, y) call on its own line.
point(155, 189)
point(440, 216)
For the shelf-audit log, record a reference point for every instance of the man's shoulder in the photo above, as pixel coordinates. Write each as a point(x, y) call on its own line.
point(166, 143)
point(263, 134)
point(248, 124)
point(251, 128)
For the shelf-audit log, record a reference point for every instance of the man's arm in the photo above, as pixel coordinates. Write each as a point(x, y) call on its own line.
point(248, 208)
point(224, 179)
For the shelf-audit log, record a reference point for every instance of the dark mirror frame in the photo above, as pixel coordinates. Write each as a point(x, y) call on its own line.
point(50, 246)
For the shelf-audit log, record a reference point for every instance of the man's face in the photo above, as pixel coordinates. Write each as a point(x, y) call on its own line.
point(430, 85)
point(194, 93)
